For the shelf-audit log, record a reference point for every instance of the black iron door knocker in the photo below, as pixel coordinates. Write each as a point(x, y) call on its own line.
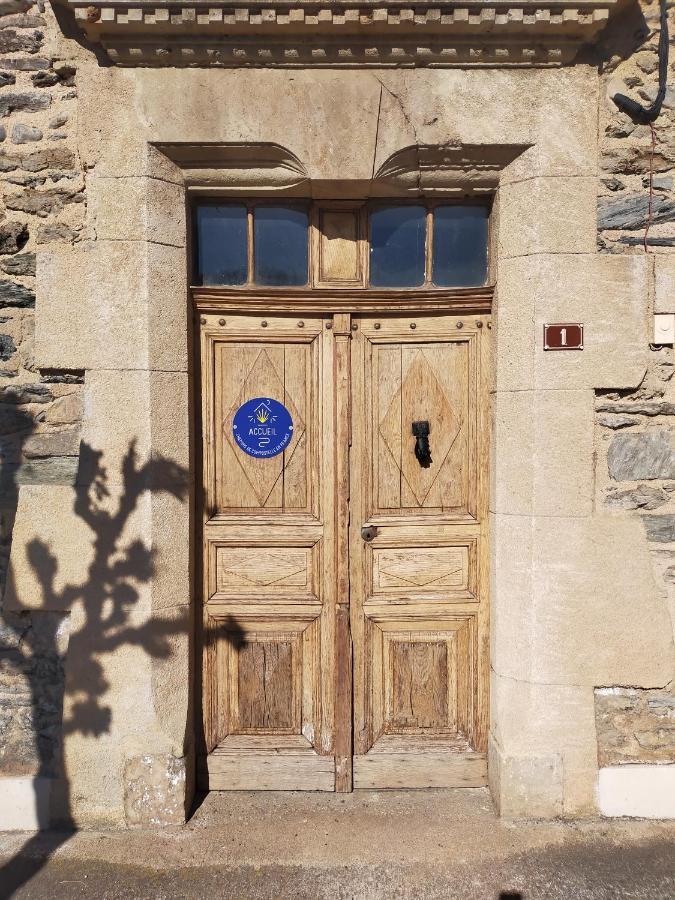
point(420, 432)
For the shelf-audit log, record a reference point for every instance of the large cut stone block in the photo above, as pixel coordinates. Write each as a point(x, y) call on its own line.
point(527, 786)
point(547, 721)
point(171, 674)
point(513, 318)
point(112, 305)
point(511, 590)
point(547, 215)
point(582, 616)
point(543, 445)
point(169, 308)
point(170, 425)
point(563, 129)
point(52, 549)
point(145, 413)
point(117, 422)
point(543, 119)
point(92, 307)
point(571, 627)
point(121, 143)
point(171, 531)
point(172, 584)
point(137, 209)
point(87, 543)
point(266, 107)
point(608, 294)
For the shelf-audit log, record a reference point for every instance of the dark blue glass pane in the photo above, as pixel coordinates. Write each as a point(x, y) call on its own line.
point(460, 246)
point(280, 239)
point(397, 246)
point(221, 256)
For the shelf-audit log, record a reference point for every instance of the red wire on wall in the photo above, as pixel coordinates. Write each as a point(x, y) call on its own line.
point(651, 187)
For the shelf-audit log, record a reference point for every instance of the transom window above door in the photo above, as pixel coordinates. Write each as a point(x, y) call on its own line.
point(380, 245)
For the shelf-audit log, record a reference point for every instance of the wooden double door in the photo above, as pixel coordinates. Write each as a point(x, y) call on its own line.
point(344, 627)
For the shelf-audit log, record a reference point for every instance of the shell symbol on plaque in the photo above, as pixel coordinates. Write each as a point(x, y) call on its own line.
point(262, 427)
point(262, 414)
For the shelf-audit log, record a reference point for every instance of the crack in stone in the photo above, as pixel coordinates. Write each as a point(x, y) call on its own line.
point(377, 132)
point(410, 125)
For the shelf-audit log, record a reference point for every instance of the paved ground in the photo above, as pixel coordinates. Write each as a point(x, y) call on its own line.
point(436, 844)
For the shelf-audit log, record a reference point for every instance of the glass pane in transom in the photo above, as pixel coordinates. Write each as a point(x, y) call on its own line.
point(221, 255)
point(280, 245)
point(397, 246)
point(460, 254)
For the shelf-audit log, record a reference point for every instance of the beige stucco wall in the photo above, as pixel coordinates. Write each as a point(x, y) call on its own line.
point(574, 603)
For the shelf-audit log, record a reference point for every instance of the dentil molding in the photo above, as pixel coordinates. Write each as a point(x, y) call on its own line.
point(365, 33)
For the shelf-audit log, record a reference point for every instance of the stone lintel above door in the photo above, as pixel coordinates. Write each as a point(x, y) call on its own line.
point(366, 33)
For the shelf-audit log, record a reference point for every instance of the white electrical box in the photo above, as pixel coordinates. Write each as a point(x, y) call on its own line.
point(664, 328)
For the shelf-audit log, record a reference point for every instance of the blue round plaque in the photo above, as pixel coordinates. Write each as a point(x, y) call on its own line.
point(262, 427)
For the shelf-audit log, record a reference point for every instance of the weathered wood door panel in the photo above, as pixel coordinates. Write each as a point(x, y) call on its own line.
point(418, 579)
point(324, 651)
point(268, 548)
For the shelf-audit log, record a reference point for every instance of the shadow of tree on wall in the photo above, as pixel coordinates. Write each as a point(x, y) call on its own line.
point(102, 608)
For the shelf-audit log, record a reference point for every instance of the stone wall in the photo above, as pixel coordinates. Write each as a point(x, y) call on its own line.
point(629, 65)
point(635, 469)
point(635, 726)
point(43, 203)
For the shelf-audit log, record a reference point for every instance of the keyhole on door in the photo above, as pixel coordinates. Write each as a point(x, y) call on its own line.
point(420, 432)
point(368, 532)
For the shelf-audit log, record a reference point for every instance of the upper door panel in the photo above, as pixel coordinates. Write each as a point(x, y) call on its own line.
point(280, 362)
point(421, 376)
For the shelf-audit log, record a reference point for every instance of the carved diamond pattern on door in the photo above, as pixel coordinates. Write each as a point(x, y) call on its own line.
point(416, 383)
point(250, 569)
point(429, 567)
point(279, 372)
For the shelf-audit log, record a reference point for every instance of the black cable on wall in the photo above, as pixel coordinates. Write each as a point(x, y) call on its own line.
point(641, 114)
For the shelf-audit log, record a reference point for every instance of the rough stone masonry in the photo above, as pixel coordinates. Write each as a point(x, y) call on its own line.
point(43, 201)
point(635, 466)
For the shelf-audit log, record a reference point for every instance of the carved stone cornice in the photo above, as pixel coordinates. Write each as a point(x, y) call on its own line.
point(366, 33)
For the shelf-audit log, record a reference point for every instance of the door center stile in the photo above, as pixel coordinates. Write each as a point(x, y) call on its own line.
point(342, 333)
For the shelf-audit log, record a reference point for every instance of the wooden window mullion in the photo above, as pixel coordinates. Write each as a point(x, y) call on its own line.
point(249, 224)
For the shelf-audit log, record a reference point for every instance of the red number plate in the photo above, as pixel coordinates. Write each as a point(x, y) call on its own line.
point(564, 336)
